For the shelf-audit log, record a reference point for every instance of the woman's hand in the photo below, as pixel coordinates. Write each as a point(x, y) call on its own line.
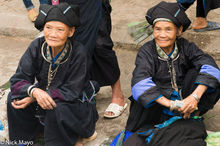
point(43, 99)
point(23, 103)
point(189, 106)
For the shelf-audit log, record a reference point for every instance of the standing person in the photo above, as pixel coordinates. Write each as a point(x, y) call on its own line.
point(203, 7)
point(52, 75)
point(173, 84)
point(32, 14)
point(94, 33)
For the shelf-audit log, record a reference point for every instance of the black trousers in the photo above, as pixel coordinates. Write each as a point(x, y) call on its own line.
point(181, 133)
point(203, 7)
point(95, 34)
point(63, 125)
point(105, 69)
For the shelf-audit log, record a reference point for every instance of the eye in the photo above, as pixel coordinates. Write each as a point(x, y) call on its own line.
point(169, 29)
point(60, 29)
point(157, 29)
point(48, 27)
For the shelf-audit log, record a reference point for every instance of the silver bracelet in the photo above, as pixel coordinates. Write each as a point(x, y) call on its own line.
point(31, 93)
point(172, 105)
point(30, 90)
point(196, 97)
point(175, 104)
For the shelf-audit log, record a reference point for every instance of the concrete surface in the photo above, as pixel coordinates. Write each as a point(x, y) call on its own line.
point(16, 32)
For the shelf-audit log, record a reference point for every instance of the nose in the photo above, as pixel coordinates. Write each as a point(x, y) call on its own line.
point(162, 33)
point(53, 33)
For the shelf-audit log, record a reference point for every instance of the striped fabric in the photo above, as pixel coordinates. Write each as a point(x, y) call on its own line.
point(142, 86)
point(208, 69)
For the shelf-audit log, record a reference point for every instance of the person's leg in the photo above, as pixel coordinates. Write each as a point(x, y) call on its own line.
point(117, 94)
point(44, 1)
point(117, 98)
point(70, 128)
point(106, 69)
point(22, 123)
point(52, 134)
point(32, 14)
point(200, 20)
point(185, 4)
point(28, 4)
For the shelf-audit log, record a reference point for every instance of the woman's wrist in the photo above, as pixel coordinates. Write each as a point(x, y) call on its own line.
point(30, 90)
point(197, 98)
point(164, 101)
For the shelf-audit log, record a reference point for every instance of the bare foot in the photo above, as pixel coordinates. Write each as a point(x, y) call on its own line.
point(199, 23)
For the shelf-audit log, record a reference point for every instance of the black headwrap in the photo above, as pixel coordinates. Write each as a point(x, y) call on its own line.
point(171, 11)
point(65, 13)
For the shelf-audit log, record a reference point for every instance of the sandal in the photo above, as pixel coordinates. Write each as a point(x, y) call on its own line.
point(211, 26)
point(115, 109)
point(32, 15)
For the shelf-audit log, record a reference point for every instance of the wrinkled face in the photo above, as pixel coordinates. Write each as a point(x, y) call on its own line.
point(56, 33)
point(165, 34)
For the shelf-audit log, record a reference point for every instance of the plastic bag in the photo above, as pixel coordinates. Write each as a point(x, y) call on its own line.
point(213, 139)
point(3, 116)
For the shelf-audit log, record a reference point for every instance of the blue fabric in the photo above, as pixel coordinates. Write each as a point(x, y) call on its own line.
point(142, 86)
point(171, 52)
point(204, 5)
point(149, 138)
point(55, 58)
point(151, 103)
point(1, 126)
point(208, 69)
point(166, 111)
point(174, 96)
point(28, 3)
point(185, 1)
point(127, 135)
point(168, 122)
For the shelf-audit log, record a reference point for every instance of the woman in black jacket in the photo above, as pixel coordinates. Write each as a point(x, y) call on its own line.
point(173, 84)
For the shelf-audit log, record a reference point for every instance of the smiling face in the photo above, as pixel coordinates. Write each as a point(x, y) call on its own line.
point(56, 34)
point(165, 34)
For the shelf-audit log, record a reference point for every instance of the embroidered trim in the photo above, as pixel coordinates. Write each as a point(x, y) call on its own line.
point(60, 60)
point(169, 60)
point(163, 55)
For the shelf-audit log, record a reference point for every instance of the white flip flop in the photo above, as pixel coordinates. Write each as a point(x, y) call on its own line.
point(115, 109)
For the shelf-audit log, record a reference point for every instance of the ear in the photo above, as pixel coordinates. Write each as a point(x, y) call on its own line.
point(179, 31)
point(71, 31)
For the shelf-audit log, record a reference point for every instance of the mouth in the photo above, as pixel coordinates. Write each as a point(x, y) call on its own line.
point(162, 40)
point(52, 40)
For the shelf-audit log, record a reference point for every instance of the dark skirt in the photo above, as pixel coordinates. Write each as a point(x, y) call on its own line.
point(180, 133)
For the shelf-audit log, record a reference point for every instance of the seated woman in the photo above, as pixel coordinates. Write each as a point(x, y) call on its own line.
point(53, 75)
point(173, 84)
